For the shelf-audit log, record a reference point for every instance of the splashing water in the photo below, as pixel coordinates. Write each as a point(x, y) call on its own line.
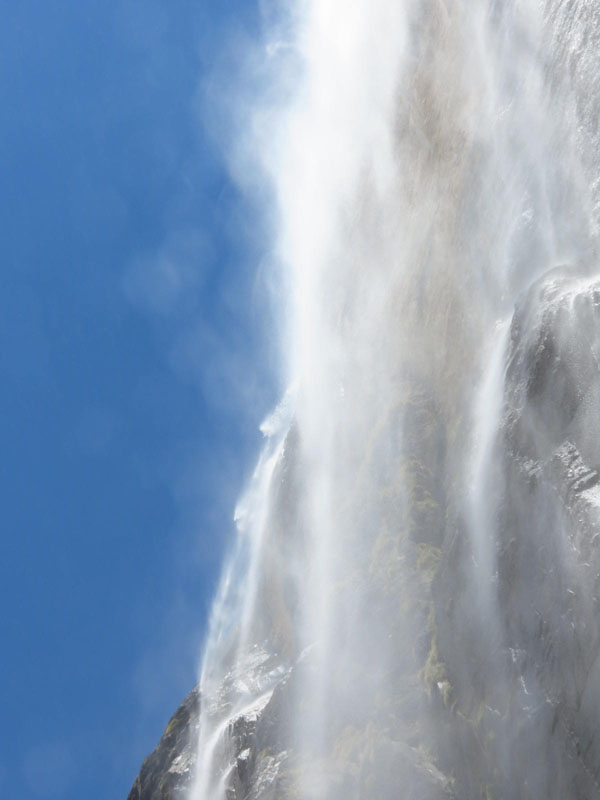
point(433, 160)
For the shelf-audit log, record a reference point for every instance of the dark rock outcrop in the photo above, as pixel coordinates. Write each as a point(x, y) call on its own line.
point(168, 771)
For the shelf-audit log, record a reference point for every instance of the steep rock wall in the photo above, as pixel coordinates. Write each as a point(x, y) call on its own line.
point(472, 711)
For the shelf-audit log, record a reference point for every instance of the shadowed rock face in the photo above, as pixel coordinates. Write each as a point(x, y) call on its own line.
point(549, 554)
point(472, 711)
point(168, 770)
point(553, 387)
point(527, 692)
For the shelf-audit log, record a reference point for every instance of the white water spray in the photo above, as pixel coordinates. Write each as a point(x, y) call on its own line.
point(419, 192)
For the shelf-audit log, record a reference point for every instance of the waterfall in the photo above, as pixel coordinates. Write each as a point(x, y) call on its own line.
point(388, 619)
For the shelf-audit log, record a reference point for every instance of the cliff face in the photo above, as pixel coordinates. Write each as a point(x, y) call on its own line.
point(472, 708)
point(168, 771)
point(525, 691)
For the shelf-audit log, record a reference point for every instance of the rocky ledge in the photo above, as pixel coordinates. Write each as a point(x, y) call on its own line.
point(168, 771)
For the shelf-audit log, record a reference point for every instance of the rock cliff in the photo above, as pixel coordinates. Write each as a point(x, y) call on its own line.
point(167, 772)
point(472, 709)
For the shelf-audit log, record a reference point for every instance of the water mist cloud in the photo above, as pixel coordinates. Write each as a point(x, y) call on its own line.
point(373, 604)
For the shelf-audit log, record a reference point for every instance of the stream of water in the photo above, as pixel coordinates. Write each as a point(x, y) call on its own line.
point(426, 164)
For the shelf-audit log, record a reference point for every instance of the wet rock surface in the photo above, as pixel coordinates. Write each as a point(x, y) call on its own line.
point(472, 710)
point(168, 771)
point(525, 692)
point(549, 558)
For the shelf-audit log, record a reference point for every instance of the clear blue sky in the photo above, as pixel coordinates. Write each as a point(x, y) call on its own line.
point(134, 374)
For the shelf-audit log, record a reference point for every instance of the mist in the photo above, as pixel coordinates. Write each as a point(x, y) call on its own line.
point(410, 604)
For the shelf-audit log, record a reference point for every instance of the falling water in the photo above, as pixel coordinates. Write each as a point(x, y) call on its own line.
point(485, 474)
point(431, 161)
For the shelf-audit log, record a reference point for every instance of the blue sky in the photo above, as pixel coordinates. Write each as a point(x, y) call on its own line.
point(136, 365)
